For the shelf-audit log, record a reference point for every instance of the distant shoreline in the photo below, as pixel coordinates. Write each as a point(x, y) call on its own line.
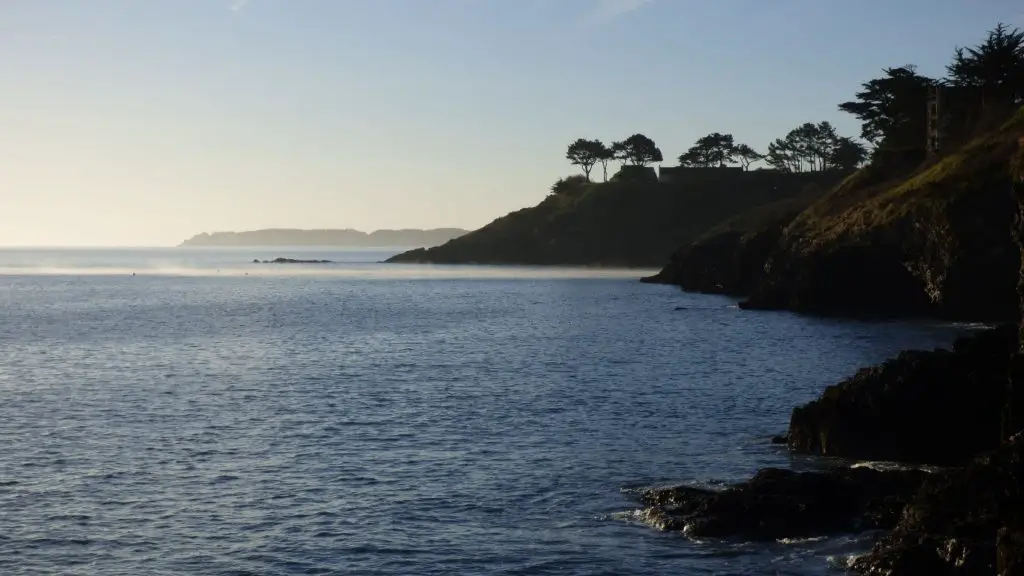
point(327, 238)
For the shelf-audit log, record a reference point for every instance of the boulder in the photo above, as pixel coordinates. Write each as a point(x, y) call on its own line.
point(951, 525)
point(940, 407)
point(779, 503)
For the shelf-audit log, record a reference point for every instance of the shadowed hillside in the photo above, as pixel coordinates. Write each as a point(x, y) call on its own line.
point(935, 242)
point(621, 223)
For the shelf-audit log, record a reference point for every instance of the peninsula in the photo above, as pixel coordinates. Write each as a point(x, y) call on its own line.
point(404, 238)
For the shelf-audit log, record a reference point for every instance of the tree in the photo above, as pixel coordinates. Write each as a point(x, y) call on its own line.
point(620, 152)
point(606, 155)
point(996, 66)
point(746, 155)
point(568, 185)
point(813, 147)
point(693, 158)
point(712, 150)
point(847, 154)
point(585, 153)
point(782, 155)
point(891, 109)
point(638, 150)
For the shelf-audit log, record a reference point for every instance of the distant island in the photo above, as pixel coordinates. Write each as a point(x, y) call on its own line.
point(406, 238)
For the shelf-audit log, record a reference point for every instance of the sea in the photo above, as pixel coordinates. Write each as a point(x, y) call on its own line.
point(188, 411)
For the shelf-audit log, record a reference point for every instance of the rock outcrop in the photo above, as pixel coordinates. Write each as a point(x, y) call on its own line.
point(938, 407)
point(962, 522)
point(932, 242)
point(780, 503)
point(291, 261)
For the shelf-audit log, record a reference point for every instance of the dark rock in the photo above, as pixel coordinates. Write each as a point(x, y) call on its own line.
point(939, 407)
point(780, 440)
point(780, 503)
point(1010, 553)
point(950, 525)
point(294, 261)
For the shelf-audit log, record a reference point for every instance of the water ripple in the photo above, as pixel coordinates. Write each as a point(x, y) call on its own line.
point(304, 425)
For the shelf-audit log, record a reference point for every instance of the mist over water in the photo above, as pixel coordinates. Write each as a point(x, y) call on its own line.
point(360, 418)
point(345, 263)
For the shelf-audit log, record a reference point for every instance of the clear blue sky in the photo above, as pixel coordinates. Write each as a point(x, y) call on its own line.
point(141, 123)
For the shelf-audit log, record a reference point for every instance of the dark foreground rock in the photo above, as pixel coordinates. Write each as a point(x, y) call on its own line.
point(965, 522)
point(291, 261)
point(780, 503)
point(940, 407)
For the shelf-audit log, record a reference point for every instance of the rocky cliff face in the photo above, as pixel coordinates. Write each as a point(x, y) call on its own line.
point(935, 242)
point(730, 257)
point(931, 407)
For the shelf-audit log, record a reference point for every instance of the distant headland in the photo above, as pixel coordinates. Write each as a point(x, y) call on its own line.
point(405, 238)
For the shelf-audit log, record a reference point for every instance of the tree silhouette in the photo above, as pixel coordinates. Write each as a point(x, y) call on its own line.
point(605, 155)
point(847, 154)
point(746, 155)
point(996, 66)
point(585, 153)
point(638, 150)
point(712, 150)
point(570, 185)
point(814, 147)
point(620, 152)
point(892, 109)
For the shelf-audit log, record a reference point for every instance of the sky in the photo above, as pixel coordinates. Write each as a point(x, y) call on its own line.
point(143, 122)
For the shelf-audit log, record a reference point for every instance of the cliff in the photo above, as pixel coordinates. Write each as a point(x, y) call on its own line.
point(934, 242)
point(620, 223)
point(346, 237)
point(927, 241)
point(729, 258)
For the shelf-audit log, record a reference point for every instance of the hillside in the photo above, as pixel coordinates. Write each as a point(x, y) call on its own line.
point(728, 259)
point(933, 242)
point(620, 223)
point(346, 237)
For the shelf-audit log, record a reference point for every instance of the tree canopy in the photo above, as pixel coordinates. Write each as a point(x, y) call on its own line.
point(815, 147)
point(715, 149)
point(585, 153)
point(996, 65)
point(638, 150)
point(892, 108)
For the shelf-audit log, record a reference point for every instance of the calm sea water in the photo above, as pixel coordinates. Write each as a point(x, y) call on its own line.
point(209, 416)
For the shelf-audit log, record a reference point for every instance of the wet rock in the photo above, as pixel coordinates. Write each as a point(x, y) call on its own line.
point(778, 503)
point(780, 440)
point(950, 526)
point(939, 407)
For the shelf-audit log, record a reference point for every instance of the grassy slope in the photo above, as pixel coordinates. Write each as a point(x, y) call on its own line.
point(618, 223)
point(936, 240)
point(859, 204)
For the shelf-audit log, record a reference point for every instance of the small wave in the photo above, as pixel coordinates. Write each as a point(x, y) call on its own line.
point(881, 466)
point(843, 561)
point(810, 540)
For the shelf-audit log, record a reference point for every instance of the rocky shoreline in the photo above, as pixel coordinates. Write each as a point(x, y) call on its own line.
point(949, 408)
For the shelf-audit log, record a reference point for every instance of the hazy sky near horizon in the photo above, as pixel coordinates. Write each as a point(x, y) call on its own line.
point(142, 123)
